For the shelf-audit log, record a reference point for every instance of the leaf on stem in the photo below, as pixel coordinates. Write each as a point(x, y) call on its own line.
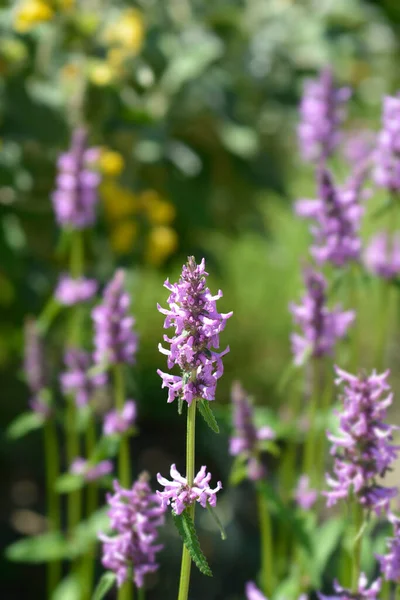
point(185, 526)
point(104, 586)
point(68, 482)
point(239, 470)
point(23, 424)
point(68, 589)
point(217, 520)
point(39, 549)
point(208, 415)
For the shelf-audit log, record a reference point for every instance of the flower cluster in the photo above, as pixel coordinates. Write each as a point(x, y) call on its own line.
point(90, 472)
point(116, 422)
point(115, 340)
point(382, 255)
point(75, 198)
point(180, 495)
point(363, 592)
point(247, 439)
point(34, 368)
point(322, 111)
point(305, 496)
point(387, 156)
point(77, 379)
point(363, 450)
point(321, 327)
point(253, 593)
point(135, 516)
point(390, 562)
point(197, 325)
point(70, 291)
point(337, 215)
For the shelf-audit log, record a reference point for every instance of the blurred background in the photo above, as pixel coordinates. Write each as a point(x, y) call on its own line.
point(194, 104)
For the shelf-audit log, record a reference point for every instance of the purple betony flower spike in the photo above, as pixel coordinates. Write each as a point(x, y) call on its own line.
point(70, 291)
point(135, 517)
point(180, 495)
point(387, 155)
point(193, 313)
point(322, 111)
point(80, 466)
point(320, 327)
point(363, 592)
point(116, 422)
point(77, 379)
point(253, 593)
point(35, 368)
point(115, 340)
point(75, 197)
point(390, 562)
point(382, 255)
point(363, 450)
point(305, 496)
point(246, 438)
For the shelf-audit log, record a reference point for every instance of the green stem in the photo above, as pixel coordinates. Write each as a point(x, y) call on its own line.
point(267, 567)
point(322, 442)
point(126, 591)
point(91, 505)
point(309, 450)
point(358, 519)
point(52, 460)
point(73, 450)
point(141, 593)
point(190, 446)
point(397, 596)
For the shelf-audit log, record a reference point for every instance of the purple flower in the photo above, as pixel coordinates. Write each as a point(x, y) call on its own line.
point(322, 111)
point(337, 215)
point(135, 516)
point(253, 593)
point(363, 450)
point(382, 255)
point(387, 155)
point(304, 495)
point(115, 341)
point(75, 198)
point(358, 147)
point(363, 593)
point(35, 368)
point(197, 325)
point(321, 327)
point(390, 562)
point(80, 466)
point(247, 439)
point(180, 495)
point(116, 422)
point(70, 291)
point(77, 379)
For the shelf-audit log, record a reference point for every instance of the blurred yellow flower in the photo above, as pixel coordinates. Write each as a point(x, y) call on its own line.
point(158, 210)
point(127, 31)
point(101, 73)
point(31, 13)
point(161, 243)
point(122, 236)
point(119, 202)
point(111, 162)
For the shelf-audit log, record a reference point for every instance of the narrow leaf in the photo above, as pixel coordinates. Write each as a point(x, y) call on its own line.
point(208, 415)
point(217, 520)
point(238, 471)
point(68, 482)
point(23, 424)
point(68, 589)
point(42, 548)
point(105, 584)
point(185, 526)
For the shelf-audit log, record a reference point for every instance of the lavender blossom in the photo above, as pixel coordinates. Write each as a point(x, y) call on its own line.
point(382, 255)
point(387, 156)
point(116, 422)
point(70, 291)
point(197, 325)
point(304, 495)
point(253, 593)
point(322, 111)
point(358, 147)
point(321, 327)
point(75, 198)
point(135, 516)
point(77, 379)
point(363, 450)
point(363, 593)
point(80, 466)
point(115, 341)
point(247, 439)
point(180, 495)
point(35, 368)
point(390, 562)
point(337, 215)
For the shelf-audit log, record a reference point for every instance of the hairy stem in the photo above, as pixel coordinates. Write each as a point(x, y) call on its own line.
point(91, 505)
point(267, 567)
point(52, 460)
point(358, 518)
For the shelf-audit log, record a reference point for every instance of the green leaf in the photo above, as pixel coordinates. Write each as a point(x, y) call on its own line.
point(68, 482)
point(85, 535)
point(208, 415)
point(325, 540)
point(68, 589)
point(217, 520)
point(185, 526)
point(104, 586)
point(107, 447)
point(239, 139)
point(42, 548)
point(238, 471)
point(23, 424)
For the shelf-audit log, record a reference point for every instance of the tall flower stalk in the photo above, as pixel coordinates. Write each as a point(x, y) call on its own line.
point(192, 312)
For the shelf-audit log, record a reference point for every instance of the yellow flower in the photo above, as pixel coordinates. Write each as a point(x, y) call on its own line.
point(161, 243)
point(159, 211)
point(119, 202)
point(30, 13)
point(127, 31)
point(111, 163)
point(101, 73)
point(123, 236)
